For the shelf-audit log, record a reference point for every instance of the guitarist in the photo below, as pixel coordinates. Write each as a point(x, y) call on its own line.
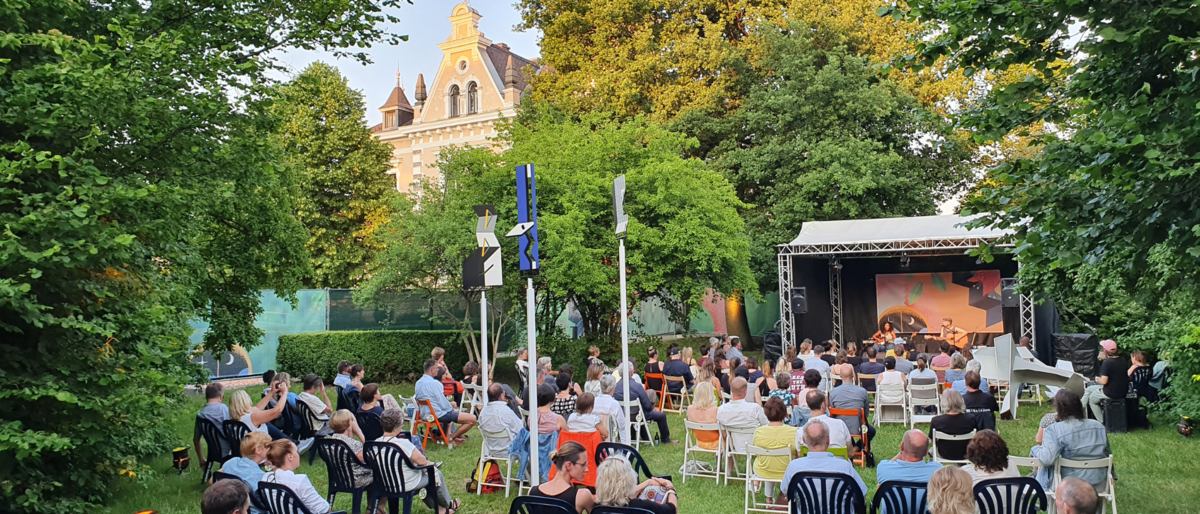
point(952, 334)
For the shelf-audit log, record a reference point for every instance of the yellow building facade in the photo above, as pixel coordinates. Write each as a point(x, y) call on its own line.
point(476, 84)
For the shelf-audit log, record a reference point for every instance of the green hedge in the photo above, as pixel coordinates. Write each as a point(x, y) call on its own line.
point(387, 355)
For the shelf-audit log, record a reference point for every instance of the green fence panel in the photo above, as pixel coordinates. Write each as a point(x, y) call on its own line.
point(762, 316)
point(278, 317)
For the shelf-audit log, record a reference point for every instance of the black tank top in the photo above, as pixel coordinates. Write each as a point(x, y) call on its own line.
point(567, 495)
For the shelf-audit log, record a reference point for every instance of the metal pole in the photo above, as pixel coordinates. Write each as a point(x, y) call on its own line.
point(625, 344)
point(483, 357)
point(530, 326)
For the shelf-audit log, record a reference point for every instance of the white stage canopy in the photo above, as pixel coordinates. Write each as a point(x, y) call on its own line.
point(923, 235)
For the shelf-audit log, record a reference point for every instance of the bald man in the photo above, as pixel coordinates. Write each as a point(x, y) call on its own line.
point(851, 397)
point(1074, 496)
point(909, 465)
point(739, 413)
point(816, 438)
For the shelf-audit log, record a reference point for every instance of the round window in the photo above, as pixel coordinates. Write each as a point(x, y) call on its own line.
point(462, 66)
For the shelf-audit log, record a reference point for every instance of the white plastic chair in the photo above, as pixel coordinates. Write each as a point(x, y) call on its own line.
point(691, 446)
point(901, 404)
point(939, 436)
point(751, 498)
point(637, 422)
point(485, 454)
point(1107, 496)
point(736, 441)
point(471, 399)
point(922, 395)
point(678, 401)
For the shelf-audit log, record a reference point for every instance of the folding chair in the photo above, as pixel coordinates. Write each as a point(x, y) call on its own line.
point(420, 422)
point(751, 497)
point(921, 395)
point(661, 390)
point(637, 422)
point(630, 454)
point(901, 404)
point(234, 431)
point(691, 446)
point(1107, 495)
point(669, 397)
point(857, 456)
point(471, 399)
point(736, 441)
point(308, 426)
point(938, 436)
point(486, 454)
point(369, 423)
point(863, 380)
point(941, 373)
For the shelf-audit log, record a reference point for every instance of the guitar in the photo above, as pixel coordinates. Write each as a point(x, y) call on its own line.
point(957, 337)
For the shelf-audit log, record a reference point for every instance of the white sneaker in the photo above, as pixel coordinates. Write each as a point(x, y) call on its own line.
point(305, 445)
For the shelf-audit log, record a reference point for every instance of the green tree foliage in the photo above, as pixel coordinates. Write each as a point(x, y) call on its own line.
point(345, 190)
point(139, 187)
point(823, 137)
point(1115, 184)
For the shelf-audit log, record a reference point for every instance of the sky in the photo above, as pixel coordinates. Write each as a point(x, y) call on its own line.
point(427, 24)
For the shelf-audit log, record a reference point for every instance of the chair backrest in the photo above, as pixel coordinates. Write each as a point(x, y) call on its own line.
point(850, 413)
point(825, 493)
point(900, 497)
point(867, 379)
point(341, 394)
point(388, 465)
point(682, 382)
point(540, 505)
point(1141, 375)
point(495, 436)
point(213, 436)
point(635, 410)
point(1021, 495)
point(601, 509)
point(234, 431)
point(606, 450)
point(369, 423)
point(692, 427)
point(738, 437)
point(339, 462)
point(1024, 462)
point(255, 499)
point(280, 499)
point(755, 451)
point(1104, 463)
point(307, 420)
point(941, 436)
point(927, 391)
point(427, 404)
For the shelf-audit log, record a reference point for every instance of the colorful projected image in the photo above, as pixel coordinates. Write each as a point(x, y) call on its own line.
point(917, 302)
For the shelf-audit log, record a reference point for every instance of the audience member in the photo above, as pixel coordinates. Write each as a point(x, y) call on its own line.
point(796, 383)
point(957, 371)
point(953, 421)
point(752, 367)
point(685, 355)
point(636, 392)
point(782, 392)
point(838, 434)
point(617, 486)
point(942, 360)
point(429, 389)
point(215, 411)
point(1073, 437)
point(343, 377)
point(570, 462)
point(801, 413)
point(653, 366)
point(356, 375)
point(497, 417)
point(704, 410)
point(708, 373)
point(704, 355)
point(583, 420)
point(816, 438)
point(522, 370)
point(248, 467)
point(1028, 345)
point(735, 349)
point(818, 364)
point(960, 385)
point(677, 367)
point(853, 356)
point(988, 454)
point(773, 436)
point(1074, 496)
point(904, 364)
point(608, 408)
point(226, 497)
point(909, 465)
point(871, 366)
point(548, 420)
point(564, 401)
point(891, 377)
point(852, 397)
point(268, 378)
point(321, 407)
point(1112, 380)
point(530, 397)
point(980, 403)
point(257, 418)
point(594, 357)
point(594, 372)
point(340, 423)
point(950, 492)
point(830, 355)
point(806, 351)
point(472, 374)
point(392, 422)
point(372, 400)
point(283, 455)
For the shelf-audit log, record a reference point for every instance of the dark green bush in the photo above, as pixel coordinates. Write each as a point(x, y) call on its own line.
point(387, 355)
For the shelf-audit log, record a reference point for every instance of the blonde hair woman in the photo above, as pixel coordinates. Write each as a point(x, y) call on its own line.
point(704, 410)
point(806, 353)
point(950, 491)
point(686, 356)
point(257, 417)
point(340, 422)
point(616, 486)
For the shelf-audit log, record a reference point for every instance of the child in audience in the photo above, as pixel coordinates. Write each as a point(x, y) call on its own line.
point(594, 372)
point(583, 421)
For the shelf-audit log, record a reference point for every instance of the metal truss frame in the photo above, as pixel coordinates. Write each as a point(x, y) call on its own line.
point(787, 325)
point(835, 299)
point(1028, 328)
point(943, 246)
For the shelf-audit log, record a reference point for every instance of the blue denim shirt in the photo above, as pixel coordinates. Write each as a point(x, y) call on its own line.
point(428, 388)
point(248, 471)
point(1076, 440)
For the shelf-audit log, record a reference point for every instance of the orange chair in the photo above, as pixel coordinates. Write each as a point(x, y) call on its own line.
point(590, 441)
point(662, 380)
point(419, 422)
point(860, 456)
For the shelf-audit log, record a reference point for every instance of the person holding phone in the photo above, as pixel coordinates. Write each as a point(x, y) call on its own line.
point(616, 486)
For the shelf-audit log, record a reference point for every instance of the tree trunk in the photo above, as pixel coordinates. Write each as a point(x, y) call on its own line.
point(735, 319)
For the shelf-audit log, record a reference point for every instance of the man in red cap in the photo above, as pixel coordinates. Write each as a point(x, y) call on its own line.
point(1112, 379)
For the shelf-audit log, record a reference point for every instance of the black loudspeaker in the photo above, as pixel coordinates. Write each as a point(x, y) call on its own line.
point(1083, 350)
point(1008, 292)
point(799, 300)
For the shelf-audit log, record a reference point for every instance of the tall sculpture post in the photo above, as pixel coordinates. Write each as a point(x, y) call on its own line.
point(527, 243)
point(482, 271)
point(622, 222)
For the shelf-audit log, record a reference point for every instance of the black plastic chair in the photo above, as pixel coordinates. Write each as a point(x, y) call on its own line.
point(1140, 381)
point(216, 446)
point(307, 428)
point(339, 465)
point(280, 499)
point(811, 492)
point(234, 431)
point(388, 465)
point(900, 497)
point(1021, 495)
point(255, 499)
point(539, 505)
point(369, 423)
point(600, 509)
point(604, 450)
point(348, 399)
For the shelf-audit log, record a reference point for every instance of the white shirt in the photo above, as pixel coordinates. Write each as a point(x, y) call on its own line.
point(300, 485)
point(979, 475)
point(741, 414)
point(498, 417)
point(318, 407)
point(250, 423)
point(606, 405)
point(927, 373)
point(582, 423)
point(412, 479)
point(839, 435)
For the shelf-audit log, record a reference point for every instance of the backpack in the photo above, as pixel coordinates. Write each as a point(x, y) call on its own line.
point(493, 482)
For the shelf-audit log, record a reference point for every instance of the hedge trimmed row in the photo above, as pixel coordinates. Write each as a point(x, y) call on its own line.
point(387, 355)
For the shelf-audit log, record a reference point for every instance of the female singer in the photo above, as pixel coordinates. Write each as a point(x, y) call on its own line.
point(887, 334)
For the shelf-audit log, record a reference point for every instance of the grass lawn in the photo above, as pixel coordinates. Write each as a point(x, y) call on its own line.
point(1156, 470)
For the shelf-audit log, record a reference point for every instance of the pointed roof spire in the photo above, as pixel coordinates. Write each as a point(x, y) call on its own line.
point(397, 100)
point(420, 96)
point(510, 74)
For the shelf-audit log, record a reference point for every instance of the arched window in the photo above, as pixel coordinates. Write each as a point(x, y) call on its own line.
point(472, 98)
point(453, 101)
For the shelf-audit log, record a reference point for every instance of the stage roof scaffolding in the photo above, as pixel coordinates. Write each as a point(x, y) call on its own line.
point(921, 236)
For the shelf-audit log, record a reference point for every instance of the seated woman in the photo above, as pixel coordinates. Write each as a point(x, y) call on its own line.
point(653, 365)
point(950, 491)
point(708, 373)
point(283, 455)
point(806, 350)
point(782, 390)
point(616, 486)
point(392, 421)
point(704, 410)
point(958, 369)
point(340, 423)
point(372, 400)
point(570, 462)
point(953, 421)
point(356, 376)
point(686, 356)
point(800, 412)
point(752, 366)
point(961, 385)
point(248, 467)
point(773, 436)
point(852, 356)
point(548, 420)
point(890, 377)
point(988, 454)
point(1073, 437)
point(583, 421)
point(564, 401)
point(471, 373)
point(923, 375)
point(592, 385)
point(257, 417)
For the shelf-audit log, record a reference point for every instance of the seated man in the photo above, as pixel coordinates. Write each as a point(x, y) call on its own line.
point(215, 411)
point(343, 377)
point(392, 421)
point(321, 407)
point(636, 392)
point(226, 497)
point(496, 416)
point(607, 406)
point(248, 467)
point(739, 413)
point(909, 465)
point(816, 438)
point(872, 366)
point(837, 435)
point(980, 404)
point(1074, 496)
point(430, 389)
point(674, 367)
point(851, 397)
point(903, 364)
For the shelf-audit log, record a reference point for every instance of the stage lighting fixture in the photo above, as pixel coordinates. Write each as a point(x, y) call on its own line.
point(904, 260)
point(836, 263)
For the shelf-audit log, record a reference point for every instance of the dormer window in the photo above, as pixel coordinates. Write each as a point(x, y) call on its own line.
point(472, 98)
point(454, 101)
point(389, 119)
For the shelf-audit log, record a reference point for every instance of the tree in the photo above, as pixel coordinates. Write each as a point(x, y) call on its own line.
point(139, 188)
point(822, 136)
point(1114, 184)
point(345, 190)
